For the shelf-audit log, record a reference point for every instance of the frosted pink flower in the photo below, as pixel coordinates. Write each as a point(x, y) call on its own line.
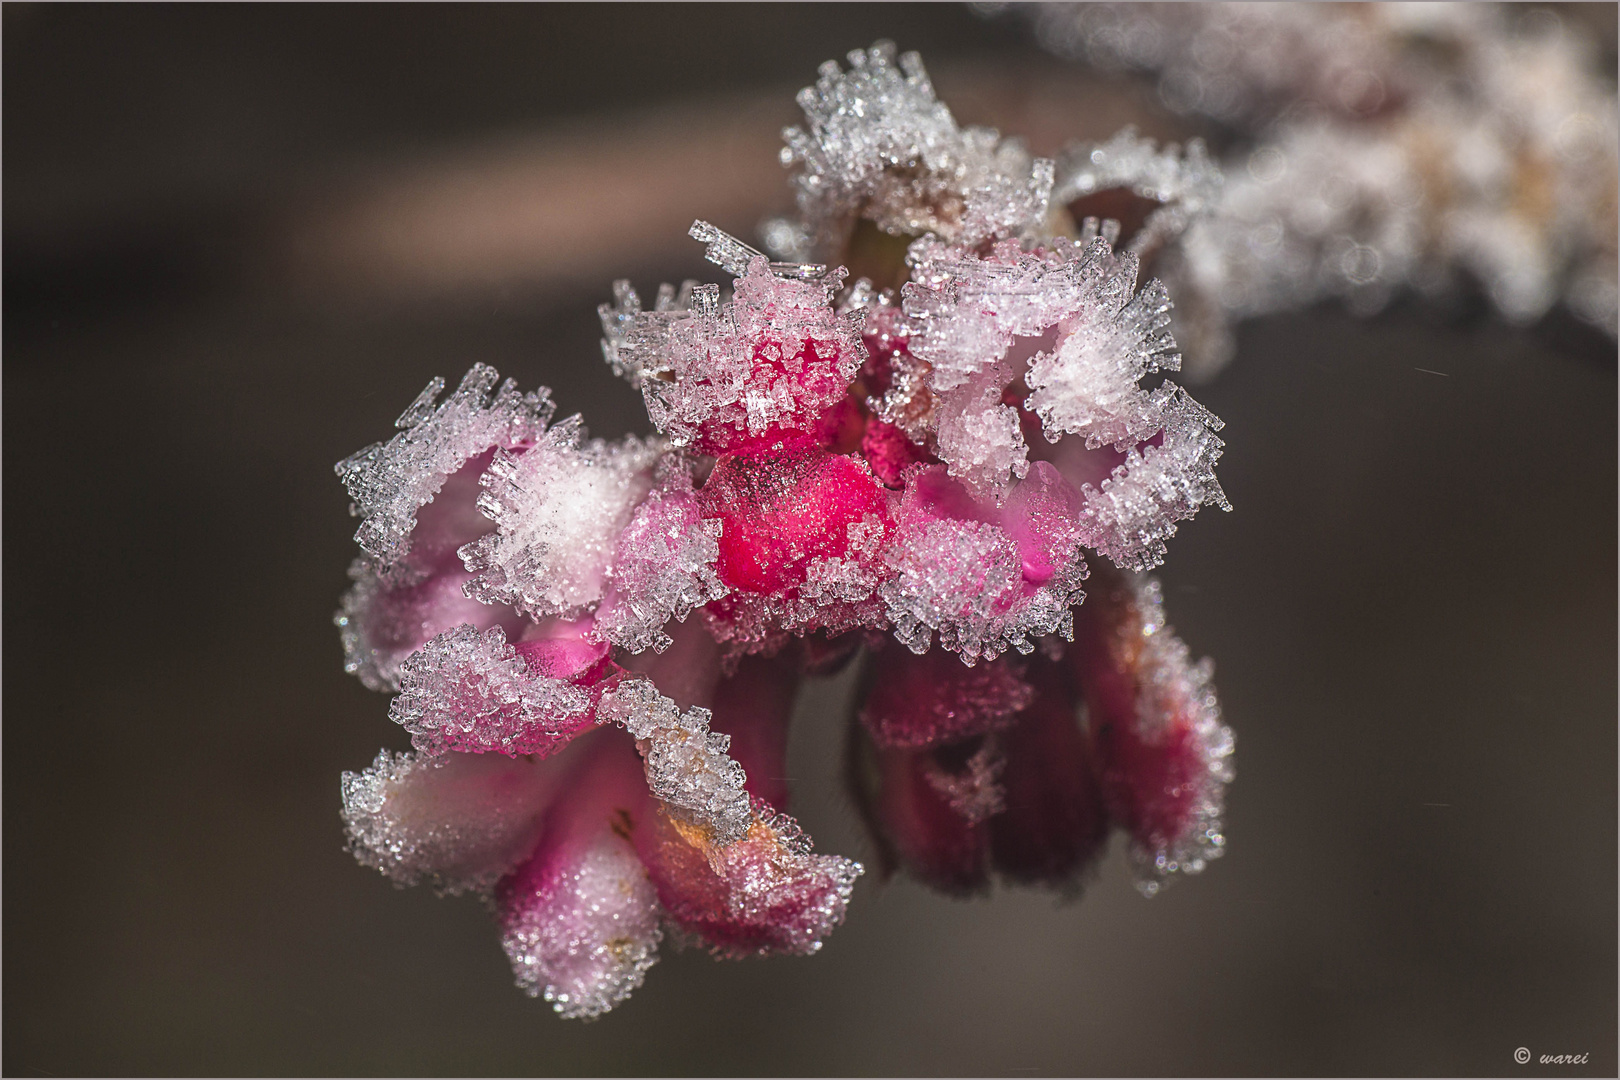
point(596, 646)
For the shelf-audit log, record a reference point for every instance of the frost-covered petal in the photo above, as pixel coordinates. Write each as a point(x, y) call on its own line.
point(664, 567)
point(385, 617)
point(579, 919)
point(1136, 509)
point(1179, 185)
point(780, 512)
point(985, 579)
point(457, 821)
point(558, 508)
point(389, 482)
point(766, 892)
point(381, 623)
point(1088, 385)
point(473, 692)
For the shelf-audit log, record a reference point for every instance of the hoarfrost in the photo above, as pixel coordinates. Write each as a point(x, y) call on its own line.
point(457, 821)
point(1137, 508)
point(558, 509)
point(663, 569)
point(1088, 385)
point(773, 356)
point(390, 481)
point(472, 692)
point(687, 765)
point(877, 143)
point(964, 579)
point(1184, 184)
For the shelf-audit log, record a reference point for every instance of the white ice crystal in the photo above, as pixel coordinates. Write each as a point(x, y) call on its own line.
point(1184, 183)
point(774, 354)
point(876, 143)
point(687, 765)
point(1174, 686)
point(390, 481)
point(456, 821)
point(1135, 511)
point(663, 569)
point(586, 942)
point(1088, 385)
point(968, 311)
point(471, 691)
point(964, 579)
point(558, 509)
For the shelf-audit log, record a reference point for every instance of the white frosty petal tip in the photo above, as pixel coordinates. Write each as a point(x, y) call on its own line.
point(390, 481)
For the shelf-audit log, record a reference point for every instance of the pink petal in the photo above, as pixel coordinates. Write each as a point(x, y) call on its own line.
point(579, 919)
point(458, 821)
point(472, 692)
point(766, 893)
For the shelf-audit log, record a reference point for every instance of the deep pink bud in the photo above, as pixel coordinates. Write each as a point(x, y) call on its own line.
point(1054, 823)
point(901, 793)
point(1162, 751)
point(935, 698)
point(780, 511)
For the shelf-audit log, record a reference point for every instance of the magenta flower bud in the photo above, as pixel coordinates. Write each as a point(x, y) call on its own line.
point(905, 799)
point(919, 701)
point(1163, 754)
point(1053, 824)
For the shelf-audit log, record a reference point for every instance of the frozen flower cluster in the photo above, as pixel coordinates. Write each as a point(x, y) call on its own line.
point(595, 646)
point(1374, 149)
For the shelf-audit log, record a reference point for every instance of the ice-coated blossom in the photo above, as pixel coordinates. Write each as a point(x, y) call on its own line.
point(596, 646)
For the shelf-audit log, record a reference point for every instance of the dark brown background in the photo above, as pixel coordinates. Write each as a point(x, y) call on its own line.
point(239, 240)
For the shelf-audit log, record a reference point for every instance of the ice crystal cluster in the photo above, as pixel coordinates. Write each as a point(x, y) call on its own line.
point(595, 646)
point(1372, 149)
